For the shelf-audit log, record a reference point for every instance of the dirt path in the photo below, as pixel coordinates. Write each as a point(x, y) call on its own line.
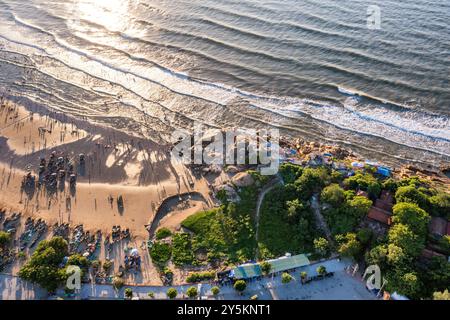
point(268, 187)
point(320, 220)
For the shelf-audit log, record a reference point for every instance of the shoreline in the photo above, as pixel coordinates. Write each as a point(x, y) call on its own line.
point(118, 165)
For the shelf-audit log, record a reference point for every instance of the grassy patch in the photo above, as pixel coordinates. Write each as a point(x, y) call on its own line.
point(163, 233)
point(226, 233)
point(280, 232)
point(161, 252)
point(182, 250)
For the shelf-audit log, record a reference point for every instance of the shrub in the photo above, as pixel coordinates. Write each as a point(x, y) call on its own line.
point(304, 275)
point(321, 270)
point(172, 293)
point(182, 250)
point(5, 238)
point(163, 233)
point(161, 252)
point(215, 290)
point(128, 293)
point(78, 260)
point(286, 277)
point(151, 294)
point(240, 285)
point(333, 195)
point(192, 292)
point(200, 276)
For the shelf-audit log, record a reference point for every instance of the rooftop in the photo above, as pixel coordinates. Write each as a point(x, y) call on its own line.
point(247, 271)
point(287, 263)
point(379, 216)
point(253, 270)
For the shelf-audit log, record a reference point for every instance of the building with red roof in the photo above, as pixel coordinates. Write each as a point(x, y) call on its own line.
point(438, 226)
point(380, 215)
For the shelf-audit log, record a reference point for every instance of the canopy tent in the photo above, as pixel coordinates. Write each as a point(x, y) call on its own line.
point(289, 262)
point(247, 271)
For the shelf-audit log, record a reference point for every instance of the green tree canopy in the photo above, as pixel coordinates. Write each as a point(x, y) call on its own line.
point(390, 185)
point(321, 246)
point(240, 285)
point(359, 206)
point(349, 246)
point(402, 236)
point(445, 244)
point(311, 180)
point(160, 252)
point(445, 295)
point(128, 293)
point(192, 292)
point(412, 194)
point(404, 282)
point(286, 277)
point(215, 290)
point(172, 293)
point(321, 270)
point(412, 215)
point(163, 233)
point(290, 172)
point(440, 205)
point(374, 189)
point(333, 195)
point(44, 266)
point(395, 255)
point(5, 239)
point(294, 208)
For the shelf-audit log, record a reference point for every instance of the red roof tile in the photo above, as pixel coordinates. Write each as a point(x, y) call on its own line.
point(428, 253)
point(438, 226)
point(379, 215)
point(383, 205)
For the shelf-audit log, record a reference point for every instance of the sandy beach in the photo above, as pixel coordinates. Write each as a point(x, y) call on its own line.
point(139, 171)
point(117, 164)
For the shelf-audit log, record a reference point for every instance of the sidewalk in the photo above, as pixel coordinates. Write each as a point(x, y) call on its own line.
point(341, 286)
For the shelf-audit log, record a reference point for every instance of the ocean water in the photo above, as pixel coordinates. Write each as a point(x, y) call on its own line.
point(310, 68)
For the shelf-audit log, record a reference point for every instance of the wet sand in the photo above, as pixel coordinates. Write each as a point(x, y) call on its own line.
point(116, 164)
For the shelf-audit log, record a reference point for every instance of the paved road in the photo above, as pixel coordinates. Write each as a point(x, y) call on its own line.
point(340, 287)
point(13, 288)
